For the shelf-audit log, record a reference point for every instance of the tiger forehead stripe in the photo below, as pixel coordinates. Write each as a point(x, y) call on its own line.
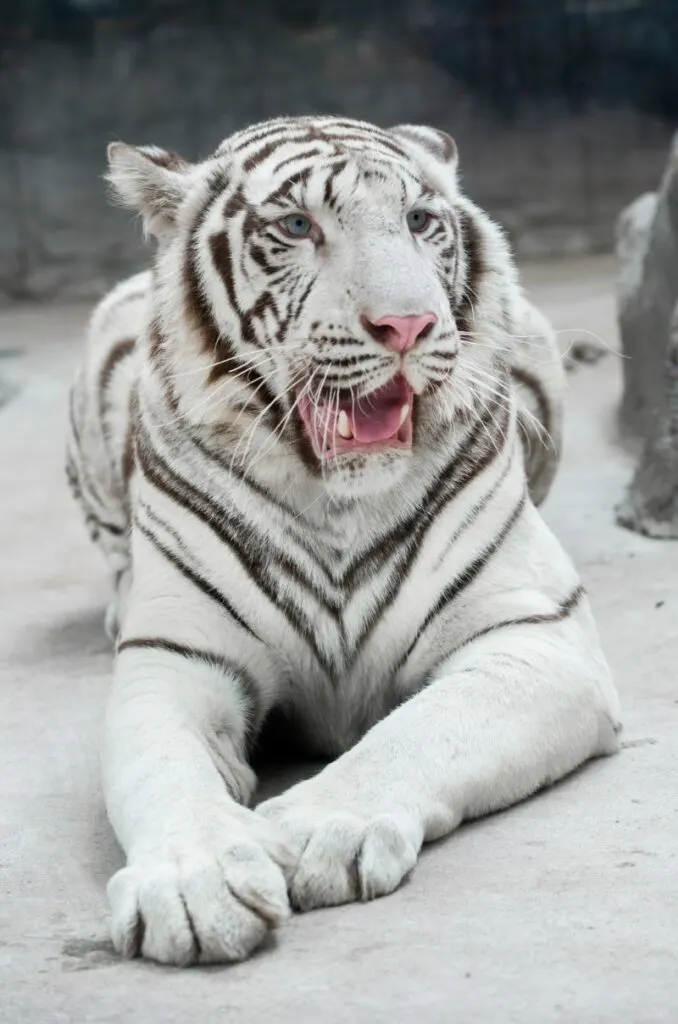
point(305, 154)
point(333, 148)
point(330, 197)
point(338, 133)
point(276, 132)
point(374, 140)
point(337, 125)
point(282, 191)
point(250, 136)
point(270, 147)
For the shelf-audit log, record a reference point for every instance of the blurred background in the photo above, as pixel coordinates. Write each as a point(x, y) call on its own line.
point(562, 109)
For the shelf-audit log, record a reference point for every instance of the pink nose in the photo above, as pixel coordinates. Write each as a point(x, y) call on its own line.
point(402, 332)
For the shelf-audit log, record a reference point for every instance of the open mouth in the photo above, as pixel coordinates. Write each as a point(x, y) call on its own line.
point(376, 422)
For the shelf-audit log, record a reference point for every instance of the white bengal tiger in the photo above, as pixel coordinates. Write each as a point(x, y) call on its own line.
point(298, 442)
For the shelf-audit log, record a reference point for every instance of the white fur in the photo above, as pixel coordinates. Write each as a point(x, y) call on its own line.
point(478, 716)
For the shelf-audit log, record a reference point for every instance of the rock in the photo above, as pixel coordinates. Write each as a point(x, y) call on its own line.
point(633, 229)
point(651, 504)
point(647, 248)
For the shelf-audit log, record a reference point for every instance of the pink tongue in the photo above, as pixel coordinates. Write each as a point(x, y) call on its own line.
point(375, 419)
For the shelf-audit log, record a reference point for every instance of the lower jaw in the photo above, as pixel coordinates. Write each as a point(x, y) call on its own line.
point(345, 450)
point(364, 460)
point(342, 449)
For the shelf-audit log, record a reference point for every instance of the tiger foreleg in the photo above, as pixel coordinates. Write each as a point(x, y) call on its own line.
point(511, 713)
point(205, 877)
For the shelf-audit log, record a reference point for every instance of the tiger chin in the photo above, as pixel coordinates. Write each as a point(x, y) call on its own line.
point(310, 442)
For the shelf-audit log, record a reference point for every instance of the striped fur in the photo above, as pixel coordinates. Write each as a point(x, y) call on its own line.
point(402, 606)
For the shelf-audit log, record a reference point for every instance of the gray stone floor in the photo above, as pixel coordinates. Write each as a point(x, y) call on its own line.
point(564, 909)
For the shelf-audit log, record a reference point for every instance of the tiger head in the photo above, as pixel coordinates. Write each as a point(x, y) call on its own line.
point(322, 292)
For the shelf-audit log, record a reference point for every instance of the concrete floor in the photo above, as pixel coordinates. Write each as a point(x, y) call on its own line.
point(564, 909)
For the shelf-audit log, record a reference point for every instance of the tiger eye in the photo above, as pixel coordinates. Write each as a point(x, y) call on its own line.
point(298, 225)
point(418, 220)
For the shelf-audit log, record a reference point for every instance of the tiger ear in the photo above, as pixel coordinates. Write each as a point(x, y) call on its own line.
point(421, 139)
point(149, 180)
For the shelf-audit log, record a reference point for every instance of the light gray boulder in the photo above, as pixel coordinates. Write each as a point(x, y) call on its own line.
point(647, 250)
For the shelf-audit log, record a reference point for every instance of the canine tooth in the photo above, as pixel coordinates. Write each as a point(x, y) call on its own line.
point(404, 413)
point(343, 426)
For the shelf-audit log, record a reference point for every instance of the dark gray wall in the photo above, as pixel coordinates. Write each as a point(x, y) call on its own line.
point(555, 175)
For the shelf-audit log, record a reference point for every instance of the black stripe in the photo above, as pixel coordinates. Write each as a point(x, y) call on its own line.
point(482, 502)
point(231, 528)
point(82, 484)
point(562, 612)
point(476, 454)
point(96, 525)
point(196, 306)
point(223, 263)
point(236, 203)
point(306, 154)
point(243, 677)
point(472, 247)
point(252, 136)
point(127, 459)
point(159, 521)
point(292, 516)
point(326, 129)
point(270, 147)
point(329, 196)
point(465, 578)
point(259, 255)
point(264, 303)
point(301, 302)
point(171, 161)
point(284, 191)
point(399, 572)
point(72, 475)
point(338, 363)
point(116, 355)
point(373, 139)
point(196, 579)
point(116, 531)
point(522, 376)
point(86, 482)
point(157, 346)
point(331, 121)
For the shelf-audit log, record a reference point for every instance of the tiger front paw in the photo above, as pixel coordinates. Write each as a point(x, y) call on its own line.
point(343, 855)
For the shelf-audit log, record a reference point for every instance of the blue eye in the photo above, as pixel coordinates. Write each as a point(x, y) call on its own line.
point(418, 220)
point(298, 225)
